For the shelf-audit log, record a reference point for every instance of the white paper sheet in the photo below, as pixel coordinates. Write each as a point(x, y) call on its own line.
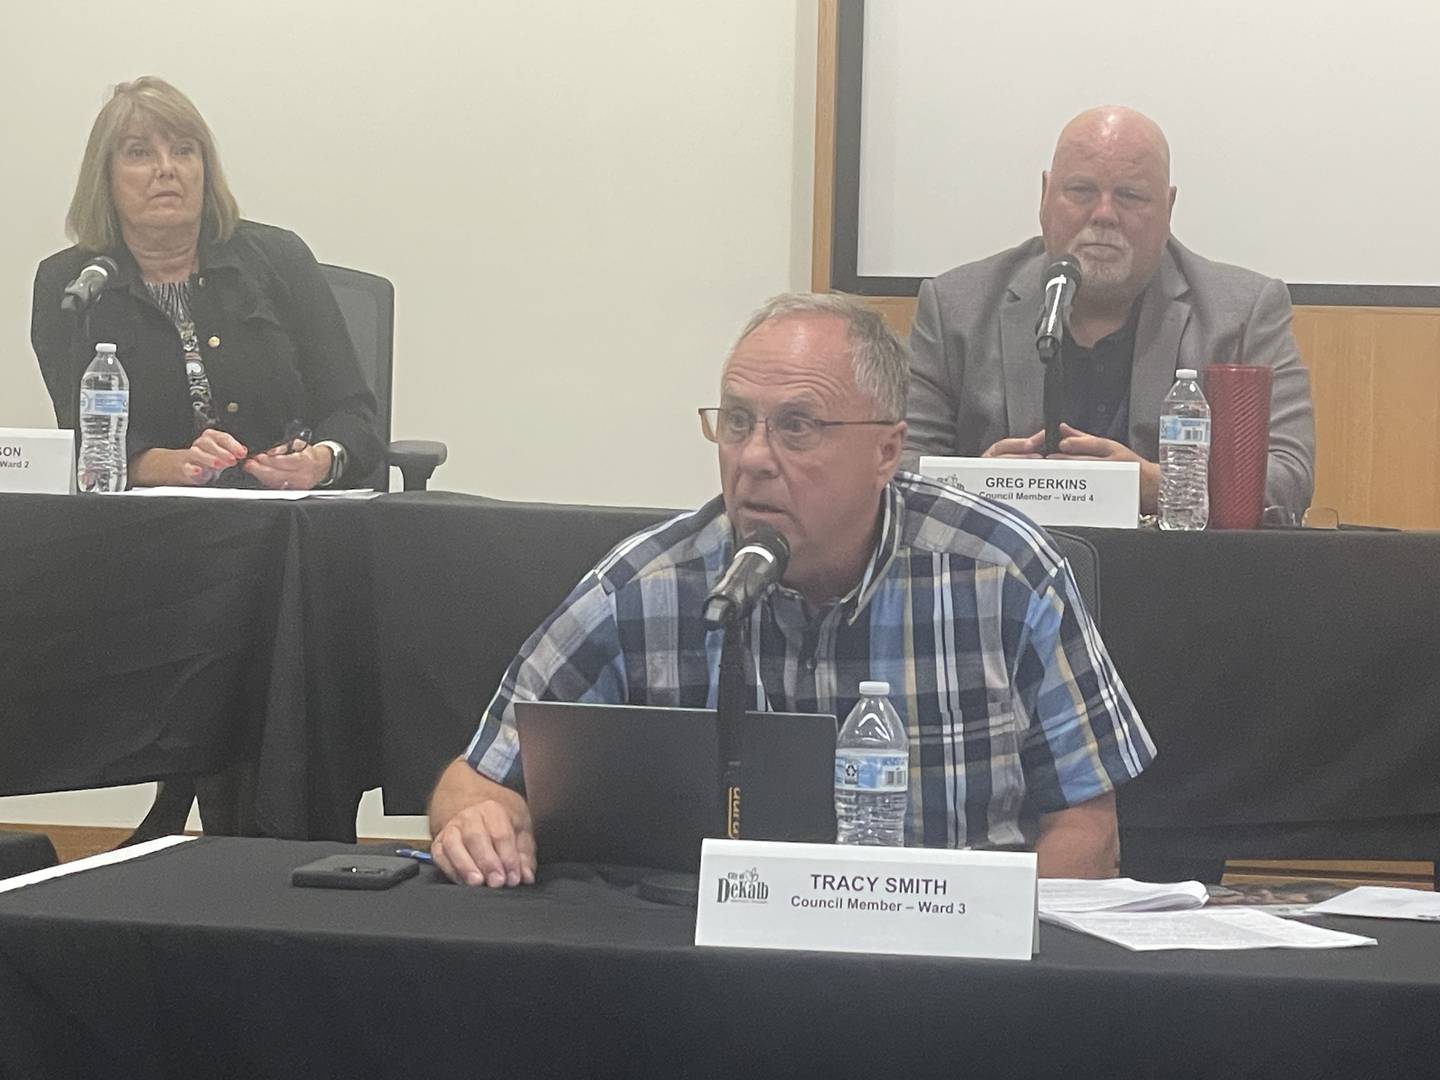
point(253, 494)
point(105, 858)
point(1079, 895)
point(1209, 930)
point(1382, 902)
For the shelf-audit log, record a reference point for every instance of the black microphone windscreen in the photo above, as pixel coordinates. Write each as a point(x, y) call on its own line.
point(1067, 265)
point(773, 541)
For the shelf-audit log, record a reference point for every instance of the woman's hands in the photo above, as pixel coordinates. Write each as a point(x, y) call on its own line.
point(214, 451)
point(293, 470)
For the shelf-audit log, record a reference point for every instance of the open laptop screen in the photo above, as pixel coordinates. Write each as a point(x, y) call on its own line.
point(639, 785)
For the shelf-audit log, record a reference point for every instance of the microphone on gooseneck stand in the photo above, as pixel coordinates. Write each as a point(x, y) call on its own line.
point(94, 278)
point(758, 563)
point(102, 400)
point(1062, 282)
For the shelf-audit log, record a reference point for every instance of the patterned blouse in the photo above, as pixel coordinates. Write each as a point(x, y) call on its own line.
point(173, 298)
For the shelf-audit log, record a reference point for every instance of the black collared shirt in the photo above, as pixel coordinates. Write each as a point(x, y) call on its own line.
point(1097, 383)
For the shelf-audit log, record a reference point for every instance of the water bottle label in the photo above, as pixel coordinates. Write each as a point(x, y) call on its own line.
point(872, 772)
point(105, 402)
point(1186, 430)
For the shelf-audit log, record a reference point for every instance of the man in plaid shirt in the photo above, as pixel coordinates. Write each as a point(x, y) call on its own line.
point(1019, 727)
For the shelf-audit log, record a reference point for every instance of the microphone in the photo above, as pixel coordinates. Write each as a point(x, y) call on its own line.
point(758, 563)
point(97, 276)
point(1062, 282)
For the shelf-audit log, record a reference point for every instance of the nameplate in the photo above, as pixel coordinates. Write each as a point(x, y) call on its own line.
point(834, 898)
point(37, 460)
point(1104, 494)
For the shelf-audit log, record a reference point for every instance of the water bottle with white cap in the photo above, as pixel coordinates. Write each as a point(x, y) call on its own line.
point(872, 772)
point(104, 417)
point(1184, 502)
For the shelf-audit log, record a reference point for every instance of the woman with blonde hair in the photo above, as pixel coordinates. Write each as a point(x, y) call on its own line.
point(241, 369)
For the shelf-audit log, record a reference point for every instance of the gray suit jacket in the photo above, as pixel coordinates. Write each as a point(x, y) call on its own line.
point(975, 376)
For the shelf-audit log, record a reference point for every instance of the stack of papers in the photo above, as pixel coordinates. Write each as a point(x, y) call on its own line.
point(1220, 929)
point(1145, 916)
point(1380, 902)
point(1078, 896)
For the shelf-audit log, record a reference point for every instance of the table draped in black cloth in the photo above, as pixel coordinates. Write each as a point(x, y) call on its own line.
point(130, 630)
point(204, 961)
point(147, 638)
point(1287, 678)
point(1291, 684)
point(316, 649)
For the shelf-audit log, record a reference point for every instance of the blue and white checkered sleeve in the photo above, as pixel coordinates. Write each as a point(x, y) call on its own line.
point(574, 656)
point(1083, 736)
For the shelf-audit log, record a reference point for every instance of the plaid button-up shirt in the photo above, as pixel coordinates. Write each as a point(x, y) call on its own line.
point(966, 609)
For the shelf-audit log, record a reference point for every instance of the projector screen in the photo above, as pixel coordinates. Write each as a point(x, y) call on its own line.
point(1302, 135)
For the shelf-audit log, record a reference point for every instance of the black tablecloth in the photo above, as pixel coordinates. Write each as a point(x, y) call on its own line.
point(204, 961)
point(128, 633)
point(1288, 678)
point(1291, 682)
point(316, 649)
point(146, 638)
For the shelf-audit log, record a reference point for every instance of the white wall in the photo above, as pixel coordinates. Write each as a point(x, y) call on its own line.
point(578, 203)
point(1301, 132)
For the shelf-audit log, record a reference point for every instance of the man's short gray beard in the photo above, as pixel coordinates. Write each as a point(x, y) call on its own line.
point(1106, 273)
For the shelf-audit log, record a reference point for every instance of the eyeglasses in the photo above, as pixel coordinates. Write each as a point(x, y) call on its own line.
point(795, 430)
point(297, 437)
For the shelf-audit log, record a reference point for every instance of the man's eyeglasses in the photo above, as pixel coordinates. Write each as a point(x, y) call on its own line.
point(794, 430)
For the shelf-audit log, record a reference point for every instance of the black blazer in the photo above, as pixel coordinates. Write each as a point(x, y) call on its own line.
point(271, 334)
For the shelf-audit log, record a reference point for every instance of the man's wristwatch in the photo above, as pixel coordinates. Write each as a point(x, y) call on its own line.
point(337, 463)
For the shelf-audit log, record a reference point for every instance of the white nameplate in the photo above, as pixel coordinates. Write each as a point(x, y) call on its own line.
point(37, 460)
point(1105, 494)
point(834, 898)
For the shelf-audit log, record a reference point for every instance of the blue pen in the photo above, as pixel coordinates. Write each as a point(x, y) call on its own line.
point(414, 853)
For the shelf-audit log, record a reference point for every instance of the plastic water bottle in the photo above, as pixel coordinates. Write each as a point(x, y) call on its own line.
point(872, 772)
point(1184, 455)
point(104, 416)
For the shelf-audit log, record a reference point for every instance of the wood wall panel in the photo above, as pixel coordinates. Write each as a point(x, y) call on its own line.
point(820, 229)
point(1375, 377)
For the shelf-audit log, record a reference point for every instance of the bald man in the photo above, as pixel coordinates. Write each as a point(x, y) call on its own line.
point(1147, 306)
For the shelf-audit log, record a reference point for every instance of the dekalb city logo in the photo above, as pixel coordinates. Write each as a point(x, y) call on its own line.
point(743, 888)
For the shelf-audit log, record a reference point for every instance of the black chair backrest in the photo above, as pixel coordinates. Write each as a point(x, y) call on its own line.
point(1084, 563)
point(367, 301)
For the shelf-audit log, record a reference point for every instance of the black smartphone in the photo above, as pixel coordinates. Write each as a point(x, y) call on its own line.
point(354, 872)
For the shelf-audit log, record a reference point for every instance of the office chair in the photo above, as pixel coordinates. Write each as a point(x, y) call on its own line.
point(1084, 563)
point(367, 301)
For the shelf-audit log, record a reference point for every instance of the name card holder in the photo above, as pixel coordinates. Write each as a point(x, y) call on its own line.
point(1103, 494)
point(835, 898)
point(37, 461)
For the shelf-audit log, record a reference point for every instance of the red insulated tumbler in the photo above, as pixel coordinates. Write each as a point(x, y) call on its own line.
point(1239, 397)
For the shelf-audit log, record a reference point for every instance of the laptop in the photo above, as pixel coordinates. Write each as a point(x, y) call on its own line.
point(639, 785)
